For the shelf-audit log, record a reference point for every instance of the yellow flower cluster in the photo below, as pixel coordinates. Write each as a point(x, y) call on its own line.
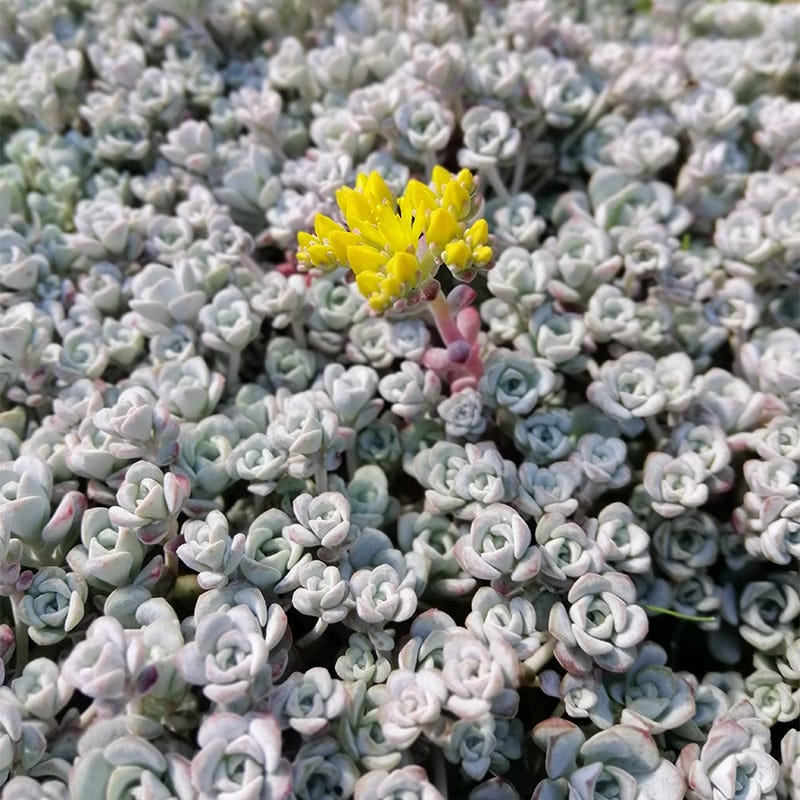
point(395, 245)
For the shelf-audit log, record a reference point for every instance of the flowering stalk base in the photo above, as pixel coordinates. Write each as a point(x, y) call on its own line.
point(459, 361)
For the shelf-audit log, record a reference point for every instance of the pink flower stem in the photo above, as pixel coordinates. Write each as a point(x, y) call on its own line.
point(445, 322)
point(450, 333)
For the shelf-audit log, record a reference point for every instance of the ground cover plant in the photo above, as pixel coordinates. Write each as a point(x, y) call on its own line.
point(399, 400)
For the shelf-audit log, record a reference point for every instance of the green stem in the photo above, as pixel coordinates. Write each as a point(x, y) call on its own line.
point(429, 160)
point(232, 370)
point(87, 716)
point(655, 430)
point(536, 663)
point(492, 175)
point(519, 170)
point(319, 628)
point(299, 332)
point(321, 478)
point(677, 614)
point(20, 636)
point(439, 771)
point(351, 457)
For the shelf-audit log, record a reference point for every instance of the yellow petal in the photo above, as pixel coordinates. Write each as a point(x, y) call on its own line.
point(478, 232)
point(467, 180)
point(442, 227)
point(420, 196)
point(361, 258)
point(304, 239)
point(340, 240)
point(392, 229)
point(321, 255)
point(343, 195)
point(323, 225)
point(356, 209)
point(377, 191)
point(440, 177)
point(456, 200)
point(404, 267)
point(369, 282)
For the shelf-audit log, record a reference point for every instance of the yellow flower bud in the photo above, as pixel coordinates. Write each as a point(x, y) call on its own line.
point(440, 177)
point(456, 200)
point(482, 255)
point(442, 228)
point(457, 255)
point(478, 232)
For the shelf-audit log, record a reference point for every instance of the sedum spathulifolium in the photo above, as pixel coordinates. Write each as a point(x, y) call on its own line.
point(399, 401)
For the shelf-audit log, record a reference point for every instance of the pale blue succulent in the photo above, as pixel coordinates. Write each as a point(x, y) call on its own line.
point(210, 550)
point(139, 427)
point(240, 753)
point(423, 127)
point(189, 388)
point(479, 678)
point(513, 619)
point(517, 225)
point(737, 749)
point(369, 342)
point(408, 781)
point(230, 656)
point(411, 390)
point(23, 743)
point(322, 521)
point(463, 480)
point(545, 435)
point(149, 501)
point(321, 592)
point(521, 278)
point(555, 337)
point(258, 461)
point(516, 381)
point(309, 433)
point(550, 489)
point(26, 510)
point(98, 667)
point(321, 766)
point(602, 625)
point(623, 760)
point(308, 701)
point(53, 604)
point(561, 91)
point(361, 662)
point(350, 393)
point(433, 536)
